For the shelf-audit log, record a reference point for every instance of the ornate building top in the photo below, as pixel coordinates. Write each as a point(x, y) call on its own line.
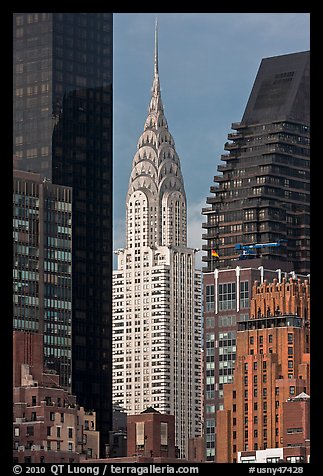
point(156, 186)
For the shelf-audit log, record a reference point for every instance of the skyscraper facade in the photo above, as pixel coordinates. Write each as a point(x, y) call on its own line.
point(272, 366)
point(226, 302)
point(42, 267)
point(263, 193)
point(156, 289)
point(62, 124)
point(257, 220)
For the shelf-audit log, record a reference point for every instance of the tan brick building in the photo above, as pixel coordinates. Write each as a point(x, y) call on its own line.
point(272, 366)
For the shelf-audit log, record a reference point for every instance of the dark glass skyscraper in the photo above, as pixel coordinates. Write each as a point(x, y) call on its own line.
point(263, 194)
point(62, 124)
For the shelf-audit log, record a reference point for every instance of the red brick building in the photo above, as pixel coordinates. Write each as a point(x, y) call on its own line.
point(151, 434)
point(48, 426)
point(150, 439)
point(272, 366)
point(296, 429)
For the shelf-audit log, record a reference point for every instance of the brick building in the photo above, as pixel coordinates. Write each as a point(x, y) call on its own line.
point(296, 429)
point(48, 426)
point(150, 439)
point(272, 365)
point(227, 300)
point(151, 434)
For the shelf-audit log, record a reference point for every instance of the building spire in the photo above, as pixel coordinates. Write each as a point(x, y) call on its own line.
point(156, 49)
point(156, 102)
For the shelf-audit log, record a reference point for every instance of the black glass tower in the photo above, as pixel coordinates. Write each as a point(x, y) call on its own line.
point(62, 130)
point(263, 194)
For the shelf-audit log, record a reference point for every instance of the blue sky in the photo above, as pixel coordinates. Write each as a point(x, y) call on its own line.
point(207, 66)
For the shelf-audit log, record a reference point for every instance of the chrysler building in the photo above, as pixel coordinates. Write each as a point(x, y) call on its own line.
point(156, 289)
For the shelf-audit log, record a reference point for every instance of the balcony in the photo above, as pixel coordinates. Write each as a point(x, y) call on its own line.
point(237, 126)
point(224, 168)
point(231, 146)
point(217, 178)
point(235, 135)
point(227, 157)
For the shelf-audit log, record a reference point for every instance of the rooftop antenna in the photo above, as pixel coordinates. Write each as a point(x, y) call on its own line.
point(156, 49)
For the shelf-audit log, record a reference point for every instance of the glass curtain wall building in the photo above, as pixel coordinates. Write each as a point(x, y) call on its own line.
point(42, 267)
point(62, 130)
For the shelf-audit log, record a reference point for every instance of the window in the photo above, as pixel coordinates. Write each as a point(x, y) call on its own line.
point(290, 338)
point(89, 452)
point(251, 340)
point(52, 416)
point(244, 294)
point(292, 390)
point(70, 446)
point(164, 434)
point(30, 431)
point(209, 297)
point(291, 431)
point(17, 431)
point(227, 296)
point(70, 432)
point(294, 459)
point(58, 431)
